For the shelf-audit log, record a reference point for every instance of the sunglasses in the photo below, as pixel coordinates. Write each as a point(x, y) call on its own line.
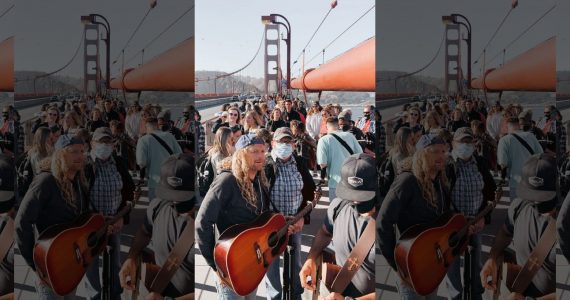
point(53, 115)
point(415, 115)
point(235, 115)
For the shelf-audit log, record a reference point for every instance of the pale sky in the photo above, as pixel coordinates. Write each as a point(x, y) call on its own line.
point(7, 21)
point(228, 32)
point(409, 32)
point(48, 32)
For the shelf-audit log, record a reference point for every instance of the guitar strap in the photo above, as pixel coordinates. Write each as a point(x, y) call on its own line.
point(356, 258)
point(536, 258)
point(175, 258)
point(6, 238)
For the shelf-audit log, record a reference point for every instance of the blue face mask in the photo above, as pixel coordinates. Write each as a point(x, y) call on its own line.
point(463, 151)
point(102, 151)
point(283, 151)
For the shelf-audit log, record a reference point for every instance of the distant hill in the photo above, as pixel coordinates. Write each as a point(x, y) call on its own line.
point(432, 85)
point(24, 83)
point(230, 84)
point(412, 84)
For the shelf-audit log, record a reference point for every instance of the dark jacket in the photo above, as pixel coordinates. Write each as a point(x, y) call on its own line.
point(128, 185)
point(44, 206)
point(405, 206)
point(309, 186)
point(224, 206)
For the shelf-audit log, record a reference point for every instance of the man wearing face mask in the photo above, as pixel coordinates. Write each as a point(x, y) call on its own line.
point(110, 186)
point(345, 225)
point(291, 186)
point(471, 185)
point(546, 124)
point(165, 124)
point(345, 123)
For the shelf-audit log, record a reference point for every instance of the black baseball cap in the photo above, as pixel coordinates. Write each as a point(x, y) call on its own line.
point(7, 176)
point(177, 178)
point(358, 178)
point(538, 183)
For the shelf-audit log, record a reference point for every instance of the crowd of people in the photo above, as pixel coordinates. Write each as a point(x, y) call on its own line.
point(264, 157)
point(84, 157)
point(449, 156)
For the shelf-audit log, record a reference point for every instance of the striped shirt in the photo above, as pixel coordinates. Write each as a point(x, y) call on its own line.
point(106, 190)
point(467, 193)
point(286, 192)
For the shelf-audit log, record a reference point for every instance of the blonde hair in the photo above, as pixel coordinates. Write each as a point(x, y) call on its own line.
point(420, 169)
point(240, 170)
point(58, 168)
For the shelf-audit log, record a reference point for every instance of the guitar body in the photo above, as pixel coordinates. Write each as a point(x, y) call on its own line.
point(423, 253)
point(244, 252)
point(63, 252)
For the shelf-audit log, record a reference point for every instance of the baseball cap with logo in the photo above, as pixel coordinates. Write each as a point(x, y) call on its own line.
point(429, 139)
point(248, 140)
point(177, 178)
point(67, 140)
point(358, 178)
point(538, 183)
point(461, 133)
point(282, 132)
point(102, 132)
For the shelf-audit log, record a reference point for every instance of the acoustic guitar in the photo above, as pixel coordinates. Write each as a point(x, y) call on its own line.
point(244, 251)
point(424, 252)
point(63, 252)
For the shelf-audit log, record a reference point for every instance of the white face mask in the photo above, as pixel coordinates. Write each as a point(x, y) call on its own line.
point(463, 151)
point(283, 150)
point(102, 151)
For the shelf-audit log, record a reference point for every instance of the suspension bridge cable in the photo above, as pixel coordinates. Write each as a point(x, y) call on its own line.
point(522, 34)
point(314, 33)
point(7, 10)
point(160, 34)
point(64, 66)
point(133, 34)
point(241, 69)
point(341, 34)
point(424, 67)
point(494, 34)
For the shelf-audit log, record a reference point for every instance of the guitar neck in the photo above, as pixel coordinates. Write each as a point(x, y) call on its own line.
point(296, 218)
point(115, 218)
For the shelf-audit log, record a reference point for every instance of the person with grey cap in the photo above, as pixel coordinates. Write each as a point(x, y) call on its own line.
point(416, 197)
point(291, 186)
point(165, 226)
point(333, 149)
point(347, 218)
point(528, 219)
point(471, 186)
point(347, 125)
point(7, 202)
point(235, 197)
point(110, 188)
point(152, 150)
point(513, 150)
point(56, 197)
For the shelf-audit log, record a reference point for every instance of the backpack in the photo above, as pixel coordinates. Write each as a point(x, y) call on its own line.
point(206, 174)
point(386, 175)
point(25, 173)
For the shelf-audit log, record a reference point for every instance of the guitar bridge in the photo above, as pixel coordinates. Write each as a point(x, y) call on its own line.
point(258, 253)
point(438, 253)
point(77, 252)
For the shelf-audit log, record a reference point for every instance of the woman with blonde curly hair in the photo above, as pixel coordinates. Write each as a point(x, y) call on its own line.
point(252, 122)
point(55, 197)
point(235, 197)
point(416, 197)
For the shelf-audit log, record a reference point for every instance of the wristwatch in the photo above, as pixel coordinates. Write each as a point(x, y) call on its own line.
point(529, 298)
point(348, 298)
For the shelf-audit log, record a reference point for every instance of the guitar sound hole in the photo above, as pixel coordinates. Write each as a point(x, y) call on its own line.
point(272, 241)
point(92, 240)
point(453, 240)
